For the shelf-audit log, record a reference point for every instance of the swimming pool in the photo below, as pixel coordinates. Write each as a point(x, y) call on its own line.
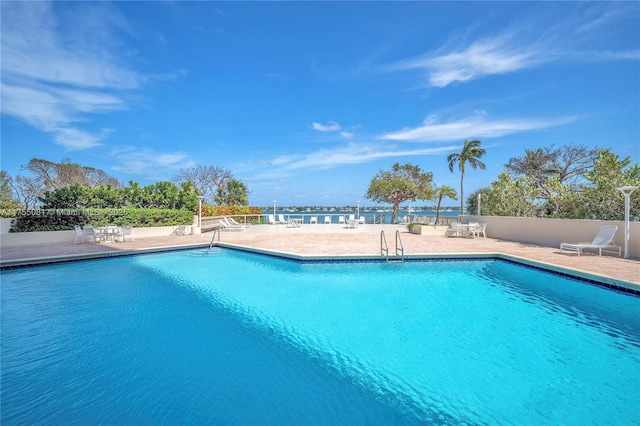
point(228, 337)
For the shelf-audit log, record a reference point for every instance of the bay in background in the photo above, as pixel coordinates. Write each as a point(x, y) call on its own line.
point(368, 213)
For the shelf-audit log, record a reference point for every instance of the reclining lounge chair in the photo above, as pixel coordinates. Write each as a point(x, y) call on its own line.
point(602, 242)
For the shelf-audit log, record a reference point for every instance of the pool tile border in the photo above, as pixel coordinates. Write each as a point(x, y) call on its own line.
point(601, 281)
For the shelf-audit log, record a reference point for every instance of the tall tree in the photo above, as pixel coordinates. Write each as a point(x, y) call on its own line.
point(470, 154)
point(401, 183)
point(28, 190)
point(60, 175)
point(601, 199)
point(554, 170)
point(441, 192)
point(206, 179)
point(234, 193)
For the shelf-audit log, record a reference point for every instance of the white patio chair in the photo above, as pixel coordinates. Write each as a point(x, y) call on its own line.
point(480, 229)
point(453, 231)
point(89, 233)
point(126, 230)
point(313, 219)
point(341, 220)
point(327, 219)
point(79, 234)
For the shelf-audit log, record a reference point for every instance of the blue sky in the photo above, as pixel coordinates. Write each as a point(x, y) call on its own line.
point(305, 102)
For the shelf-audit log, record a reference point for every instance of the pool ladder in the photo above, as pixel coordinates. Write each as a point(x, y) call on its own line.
point(216, 231)
point(384, 248)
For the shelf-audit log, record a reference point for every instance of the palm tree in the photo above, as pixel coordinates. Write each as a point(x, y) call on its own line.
point(471, 153)
point(441, 192)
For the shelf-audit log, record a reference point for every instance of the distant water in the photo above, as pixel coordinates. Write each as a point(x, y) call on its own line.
point(368, 214)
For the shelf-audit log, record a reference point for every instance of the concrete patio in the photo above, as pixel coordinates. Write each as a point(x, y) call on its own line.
point(336, 241)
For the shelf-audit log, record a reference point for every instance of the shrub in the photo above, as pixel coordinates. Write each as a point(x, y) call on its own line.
point(65, 219)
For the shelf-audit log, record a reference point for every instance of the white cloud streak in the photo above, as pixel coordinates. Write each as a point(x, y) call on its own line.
point(524, 45)
point(350, 154)
point(332, 126)
point(54, 76)
point(148, 162)
point(475, 126)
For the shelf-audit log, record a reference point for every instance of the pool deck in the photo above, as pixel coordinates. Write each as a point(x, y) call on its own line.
point(336, 241)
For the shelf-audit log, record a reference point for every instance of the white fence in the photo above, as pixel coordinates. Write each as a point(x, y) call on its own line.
point(543, 232)
point(552, 232)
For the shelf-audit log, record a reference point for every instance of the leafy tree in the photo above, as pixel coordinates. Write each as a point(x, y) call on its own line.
point(401, 183)
point(508, 197)
point(234, 193)
point(600, 199)
point(441, 192)
point(206, 179)
point(556, 171)
point(8, 204)
point(59, 175)
point(471, 154)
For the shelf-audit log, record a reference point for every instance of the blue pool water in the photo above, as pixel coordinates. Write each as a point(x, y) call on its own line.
point(226, 337)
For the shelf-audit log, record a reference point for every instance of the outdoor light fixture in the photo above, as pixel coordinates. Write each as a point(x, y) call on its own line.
point(274, 209)
point(479, 204)
point(200, 198)
point(358, 209)
point(626, 191)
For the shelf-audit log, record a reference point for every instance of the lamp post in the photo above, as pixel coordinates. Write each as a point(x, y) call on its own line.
point(200, 198)
point(626, 191)
point(274, 209)
point(479, 205)
point(358, 209)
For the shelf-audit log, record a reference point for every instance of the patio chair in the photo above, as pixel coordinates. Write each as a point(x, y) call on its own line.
point(602, 242)
point(313, 219)
point(281, 220)
point(79, 234)
point(180, 230)
point(126, 230)
point(480, 229)
point(453, 230)
point(89, 233)
point(341, 220)
point(271, 220)
point(327, 219)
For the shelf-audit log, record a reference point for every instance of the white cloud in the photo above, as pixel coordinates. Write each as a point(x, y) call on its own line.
point(148, 162)
point(497, 55)
point(346, 135)
point(475, 126)
point(523, 45)
point(55, 75)
point(350, 154)
point(332, 126)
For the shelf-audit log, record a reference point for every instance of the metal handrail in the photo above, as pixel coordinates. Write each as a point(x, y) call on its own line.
point(398, 239)
point(386, 247)
point(216, 231)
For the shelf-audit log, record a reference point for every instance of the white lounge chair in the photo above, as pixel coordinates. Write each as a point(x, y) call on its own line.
point(602, 242)
point(327, 219)
point(313, 219)
point(271, 220)
point(180, 230)
point(281, 220)
point(341, 220)
point(227, 226)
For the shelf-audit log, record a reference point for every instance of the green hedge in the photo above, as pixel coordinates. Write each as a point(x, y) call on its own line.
point(65, 219)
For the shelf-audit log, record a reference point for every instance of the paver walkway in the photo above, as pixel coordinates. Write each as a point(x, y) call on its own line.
point(334, 240)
